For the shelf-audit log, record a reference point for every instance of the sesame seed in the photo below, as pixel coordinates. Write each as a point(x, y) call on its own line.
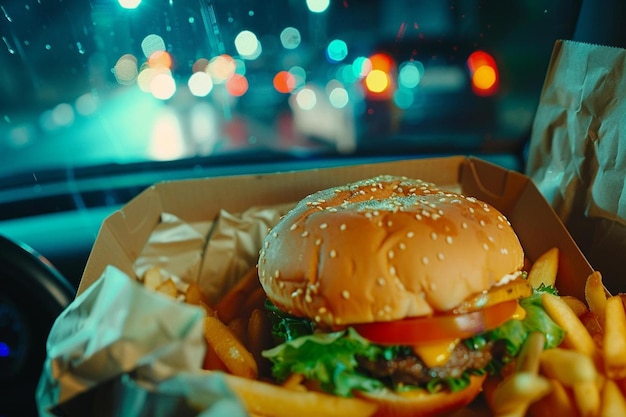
point(293, 227)
point(275, 234)
point(389, 223)
point(281, 285)
point(345, 294)
point(323, 226)
point(449, 240)
point(485, 246)
point(390, 254)
point(307, 298)
point(440, 256)
point(318, 242)
point(464, 225)
point(504, 251)
point(392, 270)
point(296, 293)
point(304, 234)
point(343, 227)
point(418, 216)
point(425, 260)
point(433, 236)
point(500, 226)
point(277, 274)
point(491, 239)
point(410, 234)
point(381, 281)
point(482, 222)
point(471, 210)
point(402, 245)
point(333, 253)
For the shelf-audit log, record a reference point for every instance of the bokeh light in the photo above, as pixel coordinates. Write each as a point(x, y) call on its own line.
point(290, 38)
point(248, 45)
point(125, 69)
point(377, 81)
point(129, 4)
point(410, 74)
point(200, 84)
point(299, 75)
point(403, 98)
point(151, 44)
point(163, 86)
point(306, 99)
point(337, 50)
point(237, 85)
point(284, 82)
point(361, 67)
point(317, 6)
point(338, 97)
point(160, 59)
point(484, 77)
point(222, 68)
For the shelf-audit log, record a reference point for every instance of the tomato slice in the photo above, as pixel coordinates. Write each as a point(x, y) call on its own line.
point(437, 328)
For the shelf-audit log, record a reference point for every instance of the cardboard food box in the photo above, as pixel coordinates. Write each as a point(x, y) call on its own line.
point(124, 235)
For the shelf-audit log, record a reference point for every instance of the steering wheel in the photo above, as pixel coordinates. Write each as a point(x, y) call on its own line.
point(33, 293)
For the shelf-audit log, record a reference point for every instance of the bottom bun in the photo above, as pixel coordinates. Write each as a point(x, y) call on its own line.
point(423, 404)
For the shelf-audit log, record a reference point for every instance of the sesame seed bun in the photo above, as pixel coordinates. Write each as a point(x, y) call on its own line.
point(385, 249)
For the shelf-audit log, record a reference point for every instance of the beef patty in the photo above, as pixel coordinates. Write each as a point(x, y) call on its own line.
point(408, 368)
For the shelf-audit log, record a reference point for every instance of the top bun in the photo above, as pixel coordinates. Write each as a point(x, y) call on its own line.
point(384, 249)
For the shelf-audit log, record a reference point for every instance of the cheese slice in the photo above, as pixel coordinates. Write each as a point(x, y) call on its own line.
point(436, 354)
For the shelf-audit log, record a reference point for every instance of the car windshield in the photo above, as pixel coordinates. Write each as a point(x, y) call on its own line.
point(117, 82)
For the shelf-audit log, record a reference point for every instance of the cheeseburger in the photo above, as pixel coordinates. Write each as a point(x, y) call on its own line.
point(393, 290)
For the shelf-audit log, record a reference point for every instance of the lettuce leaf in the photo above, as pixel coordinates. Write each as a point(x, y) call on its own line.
point(329, 358)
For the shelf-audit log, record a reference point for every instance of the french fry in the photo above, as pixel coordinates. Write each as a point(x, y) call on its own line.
point(168, 287)
point(576, 335)
point(516, 393)
point(592, 324)
point(529, 357)
point(260, 338)
point(294, 382)
point(265, 399)
point(239, 327)
point(231, 304)
point(558, 402)
point(195, 296)
point(577, 305)
point(595, 295)
point(568, 366)
point(614, 342)
point(587, 398)
point(613, 402)
point(544, 270)
point(152, 278)
point(254, 301)
point(237, 359)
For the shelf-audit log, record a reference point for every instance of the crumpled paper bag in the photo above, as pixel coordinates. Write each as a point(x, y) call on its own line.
point(577, 152)
point(123, 349)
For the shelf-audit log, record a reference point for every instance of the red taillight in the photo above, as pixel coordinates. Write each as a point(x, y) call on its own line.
point(484, 73)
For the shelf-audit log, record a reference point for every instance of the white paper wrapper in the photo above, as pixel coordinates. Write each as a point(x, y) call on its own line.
point(123, 349)
point(576, 154)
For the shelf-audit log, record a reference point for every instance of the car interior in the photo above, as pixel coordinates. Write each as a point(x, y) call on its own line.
point(101, 99)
